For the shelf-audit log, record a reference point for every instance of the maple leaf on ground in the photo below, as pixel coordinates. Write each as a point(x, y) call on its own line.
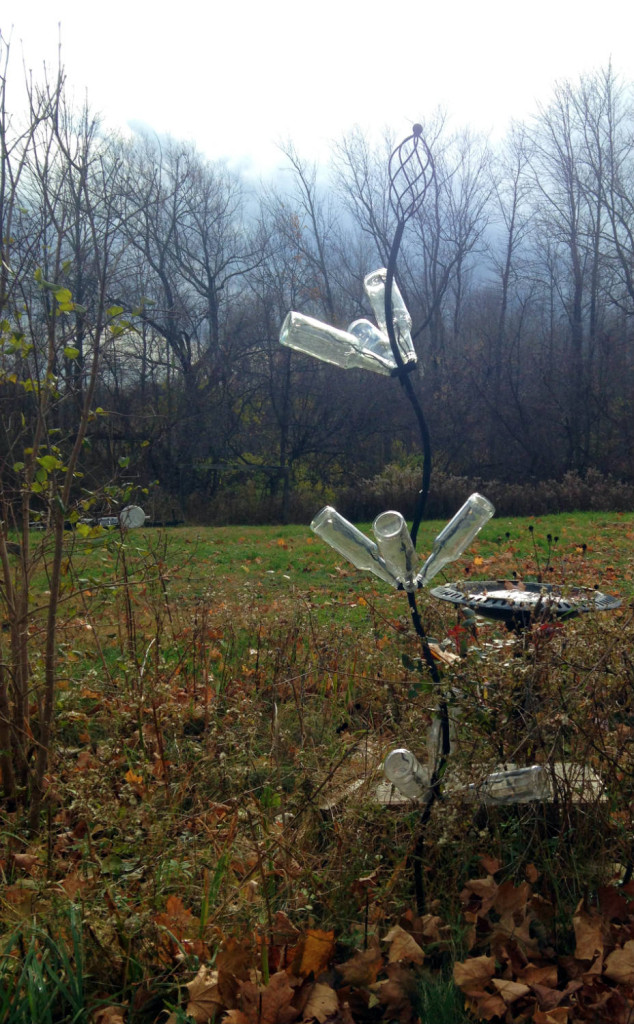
point(403, 946)
point(510, 990)
point(473, 974)
point(315, 952)
point(558, 1016)
point(398, 993)
point(490, 864)
point(177, 919)
point(479, 894)
point(545, 975)
point(109, 1015)
point(73, 884)
point(26, 862)
point(204, 1002)
point(511, 899)
point(589, 929)
point(268, 1004)
point(619, 965)
point(322, 1003)
point(485, 1005)
point(362, 969)
point(234, 965)
point(428, 928)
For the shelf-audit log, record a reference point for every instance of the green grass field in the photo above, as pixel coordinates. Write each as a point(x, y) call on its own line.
point(219, 693)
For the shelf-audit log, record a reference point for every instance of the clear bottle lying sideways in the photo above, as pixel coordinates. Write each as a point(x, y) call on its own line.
point(332, 345)
point(515, 786)
point(405, 773)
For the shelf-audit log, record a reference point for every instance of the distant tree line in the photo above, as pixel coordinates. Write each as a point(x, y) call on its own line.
point(158, 279)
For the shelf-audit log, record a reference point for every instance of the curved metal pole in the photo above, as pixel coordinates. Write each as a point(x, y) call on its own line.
point(406, 383)
point(403, 213)
point(411, 170)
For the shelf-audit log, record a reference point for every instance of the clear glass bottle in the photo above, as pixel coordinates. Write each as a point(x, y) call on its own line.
point(456, 536)
point(314, 338)
point(371, 339)
point(405, 773)
point(351, 543)
point(396, 548)
point(515, 786)
point(374, 285)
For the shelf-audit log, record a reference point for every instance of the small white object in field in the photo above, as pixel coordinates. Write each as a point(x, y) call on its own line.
point(131, 517)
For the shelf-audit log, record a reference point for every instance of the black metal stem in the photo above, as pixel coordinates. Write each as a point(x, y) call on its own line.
point(413, 189)
point(433, 793)
point(406, 384)
point(418, 626)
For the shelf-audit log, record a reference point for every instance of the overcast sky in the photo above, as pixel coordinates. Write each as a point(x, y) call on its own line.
point(238, 76)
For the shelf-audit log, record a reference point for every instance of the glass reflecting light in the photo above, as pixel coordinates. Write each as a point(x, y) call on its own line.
point(396, 548)
point(331, 345)
point(351, 543)
point(456, 536)
point(374, 285)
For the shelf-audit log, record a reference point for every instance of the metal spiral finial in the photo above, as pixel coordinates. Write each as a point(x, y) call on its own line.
point(411, 169)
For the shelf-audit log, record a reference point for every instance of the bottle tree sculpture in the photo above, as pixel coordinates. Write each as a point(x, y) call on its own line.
point(386, 347)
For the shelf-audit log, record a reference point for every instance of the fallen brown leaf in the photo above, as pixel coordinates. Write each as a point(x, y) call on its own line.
point(483, 890)
point(532, 874)
point(545, 975)
point(316, 952)
point(474, 973)
point(269, 1004)
point(397, 993)
point(403, 946)
point(26, 861)
point(511, 899)
point(490, 864)
point(588, 927)
point(204, 1000)
point(558, 1016)
point(619, 965)
point(109, 1015)
point(510, 990)
point(233, 962)
point(177, 919)
point(232, 1017)
point(485, 1005)
point(362, 969)
point(322, 1003)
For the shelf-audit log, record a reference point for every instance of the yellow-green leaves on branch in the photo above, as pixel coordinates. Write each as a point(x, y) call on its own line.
point(63, 296)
